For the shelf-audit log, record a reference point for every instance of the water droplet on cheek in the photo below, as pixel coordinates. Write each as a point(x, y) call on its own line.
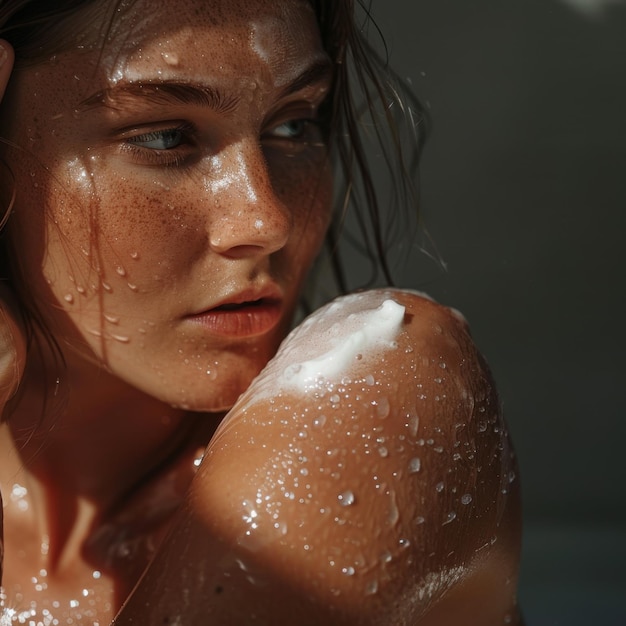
point(120, 338)
point(69, 298)
point(415, 465)
point(346, 498)
point(450, 518)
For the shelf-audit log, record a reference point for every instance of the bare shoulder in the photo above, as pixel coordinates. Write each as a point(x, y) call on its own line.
point(366, 477)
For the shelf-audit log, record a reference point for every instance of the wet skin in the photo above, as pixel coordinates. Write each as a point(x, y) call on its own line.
point(388, 494)
point(173, 188)
point(173, 191)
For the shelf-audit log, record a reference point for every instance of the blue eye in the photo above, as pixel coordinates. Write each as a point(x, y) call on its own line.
point(293, 129)
point(166, 139)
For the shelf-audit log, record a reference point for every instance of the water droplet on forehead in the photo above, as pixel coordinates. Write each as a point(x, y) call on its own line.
point(171, 58)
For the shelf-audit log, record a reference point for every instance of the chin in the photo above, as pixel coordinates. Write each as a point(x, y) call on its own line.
point(207, 395)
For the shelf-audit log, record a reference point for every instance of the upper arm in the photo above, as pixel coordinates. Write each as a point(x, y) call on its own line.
point(366, 501)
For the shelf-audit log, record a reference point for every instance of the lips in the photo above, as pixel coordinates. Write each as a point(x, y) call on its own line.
point(242, 315)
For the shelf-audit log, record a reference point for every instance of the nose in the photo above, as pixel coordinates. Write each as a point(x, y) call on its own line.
point(249, 218)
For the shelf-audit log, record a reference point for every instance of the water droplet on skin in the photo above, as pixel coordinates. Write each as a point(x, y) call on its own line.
point(450, 518)
point(80, 289)
point(382, 408)
point(415, 465)
point(334, 399)
point(112, 319)
point(386, 557)
point(383, 452)
point(346, 498)
point(319, 421)
point(121, 338)
point(419, 520)
point(134, 255)
point(369, 380)
point(348, 571)
point(413, 425)
point(466, 499)
point(372, 588)
point(69, 298)
point(106, 287)
point(120, 270)
point(439, 487)
point(132, 286)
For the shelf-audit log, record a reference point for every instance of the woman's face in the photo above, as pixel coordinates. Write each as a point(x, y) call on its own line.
point(173, 188)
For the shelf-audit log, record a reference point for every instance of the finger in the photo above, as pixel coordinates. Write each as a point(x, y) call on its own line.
point(6, 64)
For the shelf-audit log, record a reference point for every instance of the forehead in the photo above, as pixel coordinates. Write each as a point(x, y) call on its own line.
point(165, 36)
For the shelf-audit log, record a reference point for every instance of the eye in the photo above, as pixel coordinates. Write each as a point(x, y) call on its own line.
point(166, 146)
point(166, 139)
point(292, 129)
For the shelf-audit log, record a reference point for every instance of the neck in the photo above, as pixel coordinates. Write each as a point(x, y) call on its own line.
point(82, 452)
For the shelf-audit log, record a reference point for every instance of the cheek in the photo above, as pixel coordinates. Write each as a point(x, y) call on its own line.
point(307, 190)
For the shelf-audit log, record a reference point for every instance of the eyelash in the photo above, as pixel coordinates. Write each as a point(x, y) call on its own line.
point(174, 156)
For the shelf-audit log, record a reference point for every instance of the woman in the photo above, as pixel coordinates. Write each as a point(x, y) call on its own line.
point(170, 183)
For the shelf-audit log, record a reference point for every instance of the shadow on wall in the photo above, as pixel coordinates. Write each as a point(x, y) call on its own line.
point(523, 193)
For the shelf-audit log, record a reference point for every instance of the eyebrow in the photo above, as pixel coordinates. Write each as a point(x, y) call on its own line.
point(167, 92)
point(193, 93)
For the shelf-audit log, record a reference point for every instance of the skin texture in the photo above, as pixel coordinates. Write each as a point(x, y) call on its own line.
point(399, 506)
point(124, 243)
point(131, 250)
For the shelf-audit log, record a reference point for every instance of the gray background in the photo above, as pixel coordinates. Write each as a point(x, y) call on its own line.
point(524, 194)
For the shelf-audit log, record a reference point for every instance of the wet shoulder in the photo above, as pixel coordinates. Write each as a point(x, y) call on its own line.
point(360, 479)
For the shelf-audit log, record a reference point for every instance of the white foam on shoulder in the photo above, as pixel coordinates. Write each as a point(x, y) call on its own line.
point(341, 336)
point(319, 353)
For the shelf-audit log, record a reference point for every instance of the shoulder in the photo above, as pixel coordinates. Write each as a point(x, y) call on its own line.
point(365, 493)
